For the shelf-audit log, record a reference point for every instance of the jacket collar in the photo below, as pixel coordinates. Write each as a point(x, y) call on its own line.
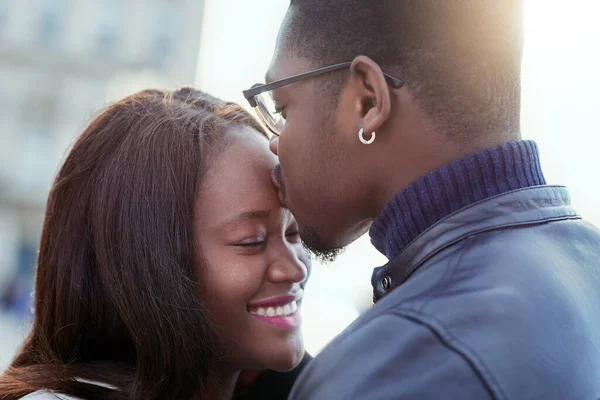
point(521, 207)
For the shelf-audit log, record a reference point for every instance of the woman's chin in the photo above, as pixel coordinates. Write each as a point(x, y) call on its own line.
point(286, 361)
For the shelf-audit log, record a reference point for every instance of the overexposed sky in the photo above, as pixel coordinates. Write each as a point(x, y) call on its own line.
point(561, 104)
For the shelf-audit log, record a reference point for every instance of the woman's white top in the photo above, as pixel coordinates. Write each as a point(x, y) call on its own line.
point(47, 395)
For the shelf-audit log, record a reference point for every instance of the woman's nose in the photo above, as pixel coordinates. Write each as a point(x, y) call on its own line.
point(288, 268)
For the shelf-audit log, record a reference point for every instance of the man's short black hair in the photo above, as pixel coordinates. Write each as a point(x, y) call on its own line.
point(461, 59)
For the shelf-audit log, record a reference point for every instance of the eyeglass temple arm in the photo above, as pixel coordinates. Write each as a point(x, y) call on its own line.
point(258, 89)
point(249, 94)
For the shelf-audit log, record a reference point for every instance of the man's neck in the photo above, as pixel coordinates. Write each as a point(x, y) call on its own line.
point(451, 187)
point(431, 150)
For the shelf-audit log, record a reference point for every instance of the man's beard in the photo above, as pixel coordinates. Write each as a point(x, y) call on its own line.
point(311, 240)
point(316, 248)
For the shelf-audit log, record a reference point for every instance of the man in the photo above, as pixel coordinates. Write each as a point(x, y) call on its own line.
point(401, 117)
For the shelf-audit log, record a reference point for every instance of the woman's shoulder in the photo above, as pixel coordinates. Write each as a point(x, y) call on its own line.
point(45, 395)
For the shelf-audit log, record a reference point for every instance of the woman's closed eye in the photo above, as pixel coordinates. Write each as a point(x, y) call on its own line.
point(252, 242)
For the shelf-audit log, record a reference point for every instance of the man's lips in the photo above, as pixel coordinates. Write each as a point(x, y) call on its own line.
point(278, 183)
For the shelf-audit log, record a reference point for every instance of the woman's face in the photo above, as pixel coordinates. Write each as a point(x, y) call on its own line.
point(251, 263)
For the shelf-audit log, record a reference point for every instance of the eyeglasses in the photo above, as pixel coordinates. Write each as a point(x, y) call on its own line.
point(261, 99)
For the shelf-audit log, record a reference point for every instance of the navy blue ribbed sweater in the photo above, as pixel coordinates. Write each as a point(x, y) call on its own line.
point(430, 198)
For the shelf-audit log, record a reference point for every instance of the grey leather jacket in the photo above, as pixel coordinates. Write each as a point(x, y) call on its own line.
point(500, 300)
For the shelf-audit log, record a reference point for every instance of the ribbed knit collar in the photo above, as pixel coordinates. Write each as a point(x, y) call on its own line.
point(430, 198)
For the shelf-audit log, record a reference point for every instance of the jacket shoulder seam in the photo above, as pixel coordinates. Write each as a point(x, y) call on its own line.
point(455, 345)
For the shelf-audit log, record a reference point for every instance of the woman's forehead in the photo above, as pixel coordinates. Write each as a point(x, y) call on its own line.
point(239, 178)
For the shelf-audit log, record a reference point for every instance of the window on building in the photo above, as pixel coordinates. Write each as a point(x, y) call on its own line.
point(3, 16)
point(165, 33)
point(110, 19)
point(50, 18)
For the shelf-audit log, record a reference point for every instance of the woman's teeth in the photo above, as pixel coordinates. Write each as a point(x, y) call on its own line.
point(279, 311)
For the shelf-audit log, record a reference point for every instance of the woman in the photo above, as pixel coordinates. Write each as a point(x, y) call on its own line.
point(166, 263)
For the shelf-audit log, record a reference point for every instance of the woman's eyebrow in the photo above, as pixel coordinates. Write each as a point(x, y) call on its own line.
point(251, 214)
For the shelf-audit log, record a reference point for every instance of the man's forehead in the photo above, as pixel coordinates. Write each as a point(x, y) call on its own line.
point(269, 76)
point(274, 71)
point(283, 65)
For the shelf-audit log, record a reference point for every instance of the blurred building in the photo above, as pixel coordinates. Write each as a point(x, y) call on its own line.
point(59, 61)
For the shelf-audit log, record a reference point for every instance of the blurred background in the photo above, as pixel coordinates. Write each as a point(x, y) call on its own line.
point(62, 60)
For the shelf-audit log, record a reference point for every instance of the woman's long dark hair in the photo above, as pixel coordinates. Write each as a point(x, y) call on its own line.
point(116, 291)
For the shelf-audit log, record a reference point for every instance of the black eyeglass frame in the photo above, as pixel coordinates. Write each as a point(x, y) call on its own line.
point(257, 89)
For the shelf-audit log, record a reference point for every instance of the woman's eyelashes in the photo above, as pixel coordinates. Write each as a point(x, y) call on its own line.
point(292, 236)
point(253, 242)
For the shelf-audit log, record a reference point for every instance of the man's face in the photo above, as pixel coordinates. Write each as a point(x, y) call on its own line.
point(320, 176)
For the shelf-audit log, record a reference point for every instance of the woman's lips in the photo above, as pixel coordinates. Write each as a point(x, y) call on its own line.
point(281, 312)
point(285, 321)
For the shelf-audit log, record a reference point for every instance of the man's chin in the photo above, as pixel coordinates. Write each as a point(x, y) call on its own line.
point(316, 247)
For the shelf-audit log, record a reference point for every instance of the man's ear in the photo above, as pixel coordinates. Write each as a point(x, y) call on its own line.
point(373, 103)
